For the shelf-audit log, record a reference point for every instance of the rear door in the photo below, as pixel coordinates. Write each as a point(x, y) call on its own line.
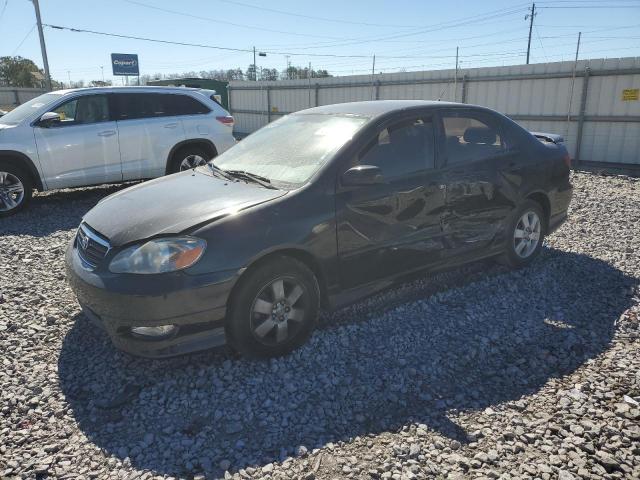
point(392, 227)
point(81, 149)
point(149, 126)
point(475, 155)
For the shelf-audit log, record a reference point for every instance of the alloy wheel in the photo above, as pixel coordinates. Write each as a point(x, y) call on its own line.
point(527, 234)
point(192, 161)
point(11, 191)
point(278, 311)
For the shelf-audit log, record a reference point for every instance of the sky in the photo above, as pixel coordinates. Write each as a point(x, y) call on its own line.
point(340, 36)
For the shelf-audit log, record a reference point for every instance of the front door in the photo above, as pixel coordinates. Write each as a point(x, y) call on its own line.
point(394, 226)
point(476, 206)
point(81, 149)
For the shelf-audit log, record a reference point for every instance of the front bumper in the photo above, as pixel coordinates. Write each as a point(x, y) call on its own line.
point(195, 304)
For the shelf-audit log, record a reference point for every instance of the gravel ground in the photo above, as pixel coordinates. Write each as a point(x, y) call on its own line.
point(475, 373)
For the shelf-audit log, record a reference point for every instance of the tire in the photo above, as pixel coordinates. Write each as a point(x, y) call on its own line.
point(188, 157)
point(261, 319)
point(523, 247)
point(16, 189)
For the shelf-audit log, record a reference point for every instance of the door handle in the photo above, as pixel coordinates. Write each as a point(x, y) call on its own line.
point(107, 133)
point(171, 125)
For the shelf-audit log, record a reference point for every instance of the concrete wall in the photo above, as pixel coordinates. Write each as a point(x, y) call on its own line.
point(11, 97)
point(536, 96)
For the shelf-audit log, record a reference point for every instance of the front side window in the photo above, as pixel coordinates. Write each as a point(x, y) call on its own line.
point(403, 149)
point(84, 110)
point(470, 138)
point(290, 150)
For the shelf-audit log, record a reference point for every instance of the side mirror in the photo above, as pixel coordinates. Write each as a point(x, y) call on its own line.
point(49, 119)
point(362, 175)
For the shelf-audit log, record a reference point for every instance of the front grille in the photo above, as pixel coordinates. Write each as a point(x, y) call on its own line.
point(91, 246)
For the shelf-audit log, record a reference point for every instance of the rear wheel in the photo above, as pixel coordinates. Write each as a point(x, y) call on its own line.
point(189, 157)
point(274, 309)
point(525, 235)
point(16, 189)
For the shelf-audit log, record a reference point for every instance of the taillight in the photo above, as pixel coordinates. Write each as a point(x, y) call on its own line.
point(567, 160)
point(226, 120)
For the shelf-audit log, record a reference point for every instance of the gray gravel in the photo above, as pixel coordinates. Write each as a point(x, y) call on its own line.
point(476, 373)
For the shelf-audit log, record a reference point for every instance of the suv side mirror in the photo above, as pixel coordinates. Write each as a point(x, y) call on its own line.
point(49, 119)
point(362, 175)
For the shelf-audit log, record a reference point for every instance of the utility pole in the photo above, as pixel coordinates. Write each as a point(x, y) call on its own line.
point(102, 70)
point(69, 75)
point(573, 81)
point(255, 69)
point(530, 17)
point(455, 79)
point(373, 74)
point(309, 84)
point(288, 65)
point(43, 47)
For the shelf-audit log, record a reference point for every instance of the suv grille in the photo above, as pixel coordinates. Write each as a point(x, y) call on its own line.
point(91, 247)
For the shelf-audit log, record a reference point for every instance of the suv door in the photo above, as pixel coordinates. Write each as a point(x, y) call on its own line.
point(475, 150)
point(149, 126)
point(81, 149)
point(394, 226)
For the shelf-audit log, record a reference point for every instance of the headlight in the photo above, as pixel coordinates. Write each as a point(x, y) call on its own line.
point(159, 256)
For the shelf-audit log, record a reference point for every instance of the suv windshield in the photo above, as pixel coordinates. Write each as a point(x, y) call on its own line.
point(27, 109)
point(290, 150)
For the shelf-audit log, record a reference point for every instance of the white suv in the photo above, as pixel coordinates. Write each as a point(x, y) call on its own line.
point(89, 136)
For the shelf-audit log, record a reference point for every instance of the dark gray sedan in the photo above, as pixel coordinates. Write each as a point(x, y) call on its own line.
point(315, 210)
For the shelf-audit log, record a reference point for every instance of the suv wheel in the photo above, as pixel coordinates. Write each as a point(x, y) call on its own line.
point(188, 158)
point(16, 189)
point(274, 309)
point(525, 235)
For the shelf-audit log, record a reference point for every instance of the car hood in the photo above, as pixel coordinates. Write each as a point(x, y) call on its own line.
point(172, 204)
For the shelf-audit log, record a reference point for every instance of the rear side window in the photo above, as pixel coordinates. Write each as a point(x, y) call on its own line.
point(402, 149)
point(186, 105)
point(470, 137)
point(150, 105)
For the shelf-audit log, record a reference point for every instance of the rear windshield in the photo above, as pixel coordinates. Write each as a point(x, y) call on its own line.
point(27, 109)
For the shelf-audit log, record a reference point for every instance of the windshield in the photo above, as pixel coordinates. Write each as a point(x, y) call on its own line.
point(292, 149)
point(27, 109)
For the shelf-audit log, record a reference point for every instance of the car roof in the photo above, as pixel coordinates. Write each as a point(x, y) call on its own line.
point(375, 108)
point(130, 89)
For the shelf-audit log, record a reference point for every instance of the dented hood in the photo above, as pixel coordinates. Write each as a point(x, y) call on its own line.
point(172, 204)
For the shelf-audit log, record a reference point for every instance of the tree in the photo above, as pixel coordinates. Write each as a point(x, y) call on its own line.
point(18, 72)
point(269, 74)
point(100, 83)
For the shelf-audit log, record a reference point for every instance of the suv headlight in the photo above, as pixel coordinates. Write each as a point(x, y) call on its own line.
point(159, 256)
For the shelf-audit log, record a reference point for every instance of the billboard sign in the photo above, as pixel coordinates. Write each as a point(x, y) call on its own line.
point(125, 64)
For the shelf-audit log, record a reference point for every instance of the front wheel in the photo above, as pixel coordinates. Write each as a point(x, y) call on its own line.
point(274, 309)
point(525, 235)
point(16, 189)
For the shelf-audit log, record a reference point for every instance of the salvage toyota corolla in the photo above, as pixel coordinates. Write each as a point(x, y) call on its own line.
point(315, 210)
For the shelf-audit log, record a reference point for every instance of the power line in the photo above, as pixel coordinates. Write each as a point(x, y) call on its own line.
point(475, 19)
point(4, 7)
point(312, 17)
point(170, 42)
point(23, 40)
point(187, 44)
point(225, 22)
